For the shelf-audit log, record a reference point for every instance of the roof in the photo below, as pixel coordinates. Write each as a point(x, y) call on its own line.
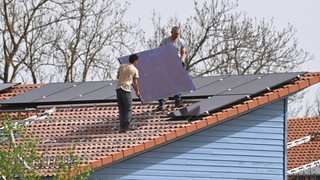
point(93, 127)
point(306, 152)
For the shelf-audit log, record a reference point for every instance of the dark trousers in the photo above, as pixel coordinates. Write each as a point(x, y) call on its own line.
point(125, 107)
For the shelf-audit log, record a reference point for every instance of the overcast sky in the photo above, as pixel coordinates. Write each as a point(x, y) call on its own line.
point(301, 14)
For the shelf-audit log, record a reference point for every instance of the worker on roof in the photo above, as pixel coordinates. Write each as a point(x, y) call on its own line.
point(178, 43)
point(127, 75)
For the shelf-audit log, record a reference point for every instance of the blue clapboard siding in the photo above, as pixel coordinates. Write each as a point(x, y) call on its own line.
point(251, 146)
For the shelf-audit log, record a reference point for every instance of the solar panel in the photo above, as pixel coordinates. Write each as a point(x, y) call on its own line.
point(208, 105)
point(201, 82)
point(105, 91)
point(161, 74)
point(239, 84)
point(262, 83)
point(78, 92)
point(217, 86)
point(6, 86)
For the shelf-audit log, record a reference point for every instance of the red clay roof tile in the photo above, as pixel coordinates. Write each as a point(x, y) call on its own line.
point(307, 152)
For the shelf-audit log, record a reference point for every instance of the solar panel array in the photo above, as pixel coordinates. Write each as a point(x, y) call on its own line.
point(225, 90)
point(157, 67)
point(161, 74)
point(217, 91)
point(243, 84)
point(54, 93)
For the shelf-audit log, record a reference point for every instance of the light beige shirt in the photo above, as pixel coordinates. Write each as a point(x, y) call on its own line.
point(126, 74)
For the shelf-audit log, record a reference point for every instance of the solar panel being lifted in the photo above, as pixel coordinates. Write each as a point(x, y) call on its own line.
point(161, 74)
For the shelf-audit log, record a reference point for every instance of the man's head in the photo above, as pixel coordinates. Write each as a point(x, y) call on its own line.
point(133, 58)
point(175, 32)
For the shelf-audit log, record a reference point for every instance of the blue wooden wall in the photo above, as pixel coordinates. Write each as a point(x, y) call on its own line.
point(252, 146)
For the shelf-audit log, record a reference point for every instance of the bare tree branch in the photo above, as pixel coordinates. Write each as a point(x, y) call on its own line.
point(222, 41)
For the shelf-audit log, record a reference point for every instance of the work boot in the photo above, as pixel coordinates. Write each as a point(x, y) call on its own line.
point(177, 101)
point(161, 105)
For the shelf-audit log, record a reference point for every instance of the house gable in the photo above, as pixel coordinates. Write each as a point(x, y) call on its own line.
point(249, 146)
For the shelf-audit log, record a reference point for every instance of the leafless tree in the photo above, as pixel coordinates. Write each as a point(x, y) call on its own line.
point(312, 107)
point(87, 45)
point(296, 104)
point(80, 40)
point(22, 24)
point(47, 40)
point(221, 40)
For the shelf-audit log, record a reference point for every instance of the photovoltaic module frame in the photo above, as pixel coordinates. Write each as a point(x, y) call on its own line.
point(161, 73)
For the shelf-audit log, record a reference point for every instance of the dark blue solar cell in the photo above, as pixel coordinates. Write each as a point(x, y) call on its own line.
point(161, 74)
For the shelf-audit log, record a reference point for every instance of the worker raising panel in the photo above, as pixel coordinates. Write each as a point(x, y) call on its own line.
point(161, 74)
